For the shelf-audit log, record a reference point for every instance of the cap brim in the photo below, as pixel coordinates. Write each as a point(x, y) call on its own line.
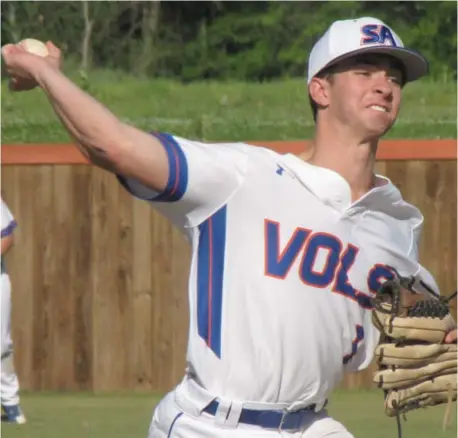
point(415, 66)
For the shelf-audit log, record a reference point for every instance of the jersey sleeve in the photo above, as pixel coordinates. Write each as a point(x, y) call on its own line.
point(8, 221)
point(202, 177)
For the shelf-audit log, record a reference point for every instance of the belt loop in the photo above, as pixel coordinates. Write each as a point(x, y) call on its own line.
point(320, 406)
point(224, 407)
point(234, 414)
point(285, 412)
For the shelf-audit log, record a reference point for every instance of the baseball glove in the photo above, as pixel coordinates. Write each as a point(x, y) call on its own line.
point(415, 369)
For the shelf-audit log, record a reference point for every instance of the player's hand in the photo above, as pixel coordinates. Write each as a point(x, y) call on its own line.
point(451, 336)
point(23, 67)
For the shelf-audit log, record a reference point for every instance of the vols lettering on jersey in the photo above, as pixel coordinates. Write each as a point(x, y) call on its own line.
point(339, 259)
point(271, 300)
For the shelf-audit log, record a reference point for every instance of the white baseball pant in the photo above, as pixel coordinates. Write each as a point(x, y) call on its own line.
point(178, 415)
point(9, 384)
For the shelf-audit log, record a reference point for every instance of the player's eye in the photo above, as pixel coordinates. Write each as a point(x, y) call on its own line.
point(363, 73)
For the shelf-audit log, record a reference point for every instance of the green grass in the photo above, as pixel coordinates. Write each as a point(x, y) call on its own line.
point(219, 111)
point(128, 416)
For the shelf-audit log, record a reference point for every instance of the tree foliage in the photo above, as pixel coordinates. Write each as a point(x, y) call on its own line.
point(255, 41)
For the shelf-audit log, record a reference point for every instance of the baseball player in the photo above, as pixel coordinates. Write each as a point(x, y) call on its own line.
point(9, 384)
point(287, 250)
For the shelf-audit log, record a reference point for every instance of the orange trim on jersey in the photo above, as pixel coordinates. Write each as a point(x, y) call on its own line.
point(210, 280)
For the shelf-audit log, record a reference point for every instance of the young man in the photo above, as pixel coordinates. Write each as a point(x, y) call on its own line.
point(286, 253)
point(9, 383)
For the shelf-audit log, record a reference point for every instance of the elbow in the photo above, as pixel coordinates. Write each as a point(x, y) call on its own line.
point(107, 152)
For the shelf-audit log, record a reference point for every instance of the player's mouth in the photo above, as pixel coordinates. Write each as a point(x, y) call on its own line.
point(380, 108)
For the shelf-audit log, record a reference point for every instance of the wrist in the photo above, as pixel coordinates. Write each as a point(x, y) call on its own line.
point(41, 72)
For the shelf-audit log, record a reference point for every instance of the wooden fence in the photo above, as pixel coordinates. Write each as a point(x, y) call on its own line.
point(99, 279)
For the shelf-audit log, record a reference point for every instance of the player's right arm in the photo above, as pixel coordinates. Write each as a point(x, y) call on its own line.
point(152, 167)
point(100, 135)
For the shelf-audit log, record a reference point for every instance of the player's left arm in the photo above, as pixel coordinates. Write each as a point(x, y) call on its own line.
point(7, 243)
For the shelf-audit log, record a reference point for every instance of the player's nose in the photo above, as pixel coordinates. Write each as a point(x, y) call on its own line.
point(382, 86)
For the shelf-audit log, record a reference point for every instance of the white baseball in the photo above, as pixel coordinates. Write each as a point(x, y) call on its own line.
point(34, 46)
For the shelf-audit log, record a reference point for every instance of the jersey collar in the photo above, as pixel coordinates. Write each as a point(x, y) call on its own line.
point(333, 189)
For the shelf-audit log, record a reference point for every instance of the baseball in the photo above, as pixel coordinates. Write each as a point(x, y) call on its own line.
point(34, 46)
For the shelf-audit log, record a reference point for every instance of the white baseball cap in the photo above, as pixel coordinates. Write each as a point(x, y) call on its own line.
point(346, 38)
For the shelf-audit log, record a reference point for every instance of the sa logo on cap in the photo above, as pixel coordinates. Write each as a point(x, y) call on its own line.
point(377, 34)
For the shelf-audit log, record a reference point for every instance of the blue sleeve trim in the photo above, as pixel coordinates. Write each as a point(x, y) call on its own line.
point(178, 170)
point(9, 229)
point(177, 182)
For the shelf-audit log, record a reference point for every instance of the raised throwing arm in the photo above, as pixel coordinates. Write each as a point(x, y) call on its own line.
point(99, 134)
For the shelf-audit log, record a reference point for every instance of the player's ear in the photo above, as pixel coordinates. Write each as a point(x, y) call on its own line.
point(319, 91)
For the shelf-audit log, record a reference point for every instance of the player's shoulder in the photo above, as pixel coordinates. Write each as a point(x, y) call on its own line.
point(258, 154)
point(399, 215)
point(399, 207)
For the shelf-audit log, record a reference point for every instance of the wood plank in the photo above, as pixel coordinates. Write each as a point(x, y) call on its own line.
point(81, 272)
point(179, 304)
point(124, 279)
point(162, 282)
point(108, 351)
point(143, 309)
point(60, 297)
point(44, 243)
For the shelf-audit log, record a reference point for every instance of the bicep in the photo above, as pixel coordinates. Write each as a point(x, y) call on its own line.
point(142, 157)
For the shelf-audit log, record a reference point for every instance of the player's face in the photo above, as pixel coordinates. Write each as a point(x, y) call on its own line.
point(365, 94)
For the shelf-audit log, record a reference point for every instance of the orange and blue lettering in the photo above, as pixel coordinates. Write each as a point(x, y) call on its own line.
point(376, 274)
point(354, 345)
point(333, 246)
point(337, 265)
point(343, 286)
point(278, 263)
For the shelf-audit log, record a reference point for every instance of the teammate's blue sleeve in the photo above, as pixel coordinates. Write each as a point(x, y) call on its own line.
point(8, 221)
point(202, 177)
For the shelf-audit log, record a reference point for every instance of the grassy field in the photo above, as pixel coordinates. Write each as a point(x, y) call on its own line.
point(128, 416)
point(219, 111)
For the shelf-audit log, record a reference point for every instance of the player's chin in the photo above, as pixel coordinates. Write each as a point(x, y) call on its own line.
point(378, 128)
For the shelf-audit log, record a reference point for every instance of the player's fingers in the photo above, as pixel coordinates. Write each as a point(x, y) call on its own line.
point(53, 49)
point(8, 49)
point(19, 48)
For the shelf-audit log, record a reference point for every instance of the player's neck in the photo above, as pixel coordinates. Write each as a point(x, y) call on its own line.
point(352, 158)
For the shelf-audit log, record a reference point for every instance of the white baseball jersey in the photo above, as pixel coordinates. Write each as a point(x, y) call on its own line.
point(283, 267)
point(8, 225)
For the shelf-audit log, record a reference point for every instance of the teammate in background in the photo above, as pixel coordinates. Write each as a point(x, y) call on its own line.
point(9, 384)
point(286, 252)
